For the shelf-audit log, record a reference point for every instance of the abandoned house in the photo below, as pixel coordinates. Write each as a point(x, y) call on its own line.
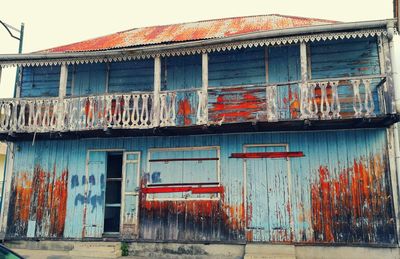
point(268, 128)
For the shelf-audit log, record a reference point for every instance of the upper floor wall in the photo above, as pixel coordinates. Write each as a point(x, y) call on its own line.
point(250, 66)
point(319, 80)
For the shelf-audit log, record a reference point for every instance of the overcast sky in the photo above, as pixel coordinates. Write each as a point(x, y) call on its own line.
point(50, 23)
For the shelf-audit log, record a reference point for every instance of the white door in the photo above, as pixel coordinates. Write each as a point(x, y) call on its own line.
point(130, 195)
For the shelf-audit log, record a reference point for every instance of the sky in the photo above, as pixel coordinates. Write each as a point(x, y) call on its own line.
point(50, 23)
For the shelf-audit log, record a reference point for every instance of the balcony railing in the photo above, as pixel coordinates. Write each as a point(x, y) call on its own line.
point(315, 100)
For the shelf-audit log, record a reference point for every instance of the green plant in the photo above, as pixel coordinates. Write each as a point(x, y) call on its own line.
point(125, 249)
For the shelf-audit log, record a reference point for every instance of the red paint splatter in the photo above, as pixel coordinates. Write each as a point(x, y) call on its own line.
point(185, 109)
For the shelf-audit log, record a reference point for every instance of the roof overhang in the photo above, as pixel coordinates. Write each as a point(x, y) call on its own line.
point(267, 38)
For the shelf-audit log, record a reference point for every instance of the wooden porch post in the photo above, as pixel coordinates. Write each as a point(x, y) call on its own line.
point(156, 91)
point(61, 94)
point(303, 62)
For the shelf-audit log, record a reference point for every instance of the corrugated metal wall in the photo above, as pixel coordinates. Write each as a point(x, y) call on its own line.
point(340, 192)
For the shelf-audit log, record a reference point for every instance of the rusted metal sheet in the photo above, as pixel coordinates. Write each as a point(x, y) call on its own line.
point(190, 31)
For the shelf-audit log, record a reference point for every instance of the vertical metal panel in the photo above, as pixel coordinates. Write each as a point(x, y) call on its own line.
point(340, 190)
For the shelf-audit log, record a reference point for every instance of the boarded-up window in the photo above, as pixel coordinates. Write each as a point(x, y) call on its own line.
point(183, 173)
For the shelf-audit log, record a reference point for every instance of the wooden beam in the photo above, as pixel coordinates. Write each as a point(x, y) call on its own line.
point(62, 90)
point(267, 155)
point(185, 159)
point(194, 190)
point(156, 91)
point(266, 62)
point(303, 62)
point(204, 71)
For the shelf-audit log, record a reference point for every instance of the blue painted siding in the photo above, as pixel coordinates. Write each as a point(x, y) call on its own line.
point(318, 185)
point(181, 72)
point(341, 58)
point(42, 81)
point(89, 79)
point(130, 76)
point(236, 67)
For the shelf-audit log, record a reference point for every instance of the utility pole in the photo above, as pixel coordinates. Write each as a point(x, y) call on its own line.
point(10, 147)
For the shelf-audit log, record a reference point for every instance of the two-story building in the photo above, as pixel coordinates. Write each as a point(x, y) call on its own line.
point(271, 128)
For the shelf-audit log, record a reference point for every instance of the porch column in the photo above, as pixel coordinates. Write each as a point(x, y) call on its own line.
point(202, 109)
point(303, 62)
point(61, 94)
point(0, 73)
point(156, 91)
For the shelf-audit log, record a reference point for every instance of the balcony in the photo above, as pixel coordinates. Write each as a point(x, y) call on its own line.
point(294, 103)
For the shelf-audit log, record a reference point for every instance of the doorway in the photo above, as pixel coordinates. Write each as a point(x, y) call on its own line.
point(268, 195)
point(113, 193)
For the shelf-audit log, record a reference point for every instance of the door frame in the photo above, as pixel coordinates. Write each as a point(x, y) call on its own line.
point(289, 175)
point(87, 185)
point(136, 193)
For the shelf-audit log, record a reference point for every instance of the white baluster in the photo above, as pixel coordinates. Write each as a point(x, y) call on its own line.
point(335, 107)
point(54, 115)
point(126, 111)
point(109, 113)
point(31, 116)
point(272, 107)
point(163, 110)
point(135, 111)
point(117, 112)
point(312, 102)
point(38, 115)
point(171, 109)
point(357, 104)
point(324, 104)
point(369, 101)
point(304, 89)
point(46, 116)
point(21, 116)
point(144, 117)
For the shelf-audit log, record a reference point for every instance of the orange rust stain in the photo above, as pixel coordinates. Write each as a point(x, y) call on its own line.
point(41, 197)
point(185, 109)
point(357, 199)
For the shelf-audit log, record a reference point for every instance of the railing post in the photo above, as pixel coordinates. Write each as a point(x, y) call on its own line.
point(156, 91)
point(61, 94)
point(304, 77)
point(202, 110)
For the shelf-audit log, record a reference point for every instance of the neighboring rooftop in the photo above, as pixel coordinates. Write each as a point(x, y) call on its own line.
point(192, 31)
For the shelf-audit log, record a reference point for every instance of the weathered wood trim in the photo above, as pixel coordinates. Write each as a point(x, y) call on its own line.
point(266, 60)
point(63, 81)
point(156, 91)
point(392, 135)
point(389, 91)
point(107, 77)
point(204, 71)
point(309, 71)
point(0, 73)
point(7, 187)
point(303, 62)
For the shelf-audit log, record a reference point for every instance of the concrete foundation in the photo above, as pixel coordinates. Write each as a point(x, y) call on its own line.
point(72, 249)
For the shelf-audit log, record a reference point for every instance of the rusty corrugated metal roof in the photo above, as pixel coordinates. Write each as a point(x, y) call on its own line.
point(191, 31)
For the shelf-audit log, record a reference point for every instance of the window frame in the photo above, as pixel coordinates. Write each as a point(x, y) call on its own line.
point(191, 148)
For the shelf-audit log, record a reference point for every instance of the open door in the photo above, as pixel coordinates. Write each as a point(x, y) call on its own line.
point(130, 195)
point(93, 216)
